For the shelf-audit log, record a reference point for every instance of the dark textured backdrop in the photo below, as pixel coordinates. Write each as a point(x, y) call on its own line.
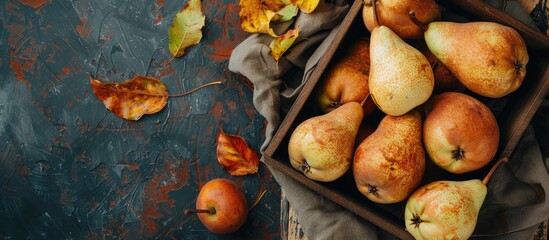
point(70, 169)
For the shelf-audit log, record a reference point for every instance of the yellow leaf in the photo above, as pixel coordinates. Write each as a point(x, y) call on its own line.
point(256, 15)
point(282, 43)
point(187, 26)
point(306, 6)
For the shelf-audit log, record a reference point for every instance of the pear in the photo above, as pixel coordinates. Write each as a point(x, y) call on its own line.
point(446, 209)
point(445, 81)
point(322, 147)
point(401, 78)
point(486, 57)
point(394, 14)
point(460, 133)
point(389, 164)
point(347, 79)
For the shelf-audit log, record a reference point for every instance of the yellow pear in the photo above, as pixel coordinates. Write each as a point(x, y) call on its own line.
point(322, 147)
point(389, 164)
point(401, 78)
point(488, 58)
point(446, 209)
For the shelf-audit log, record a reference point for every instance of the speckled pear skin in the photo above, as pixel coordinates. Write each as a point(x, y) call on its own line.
point(401, 78)
point(460, 133)
point(389, 164)
point(488, 58)
point(444, 209)
point(322, 147)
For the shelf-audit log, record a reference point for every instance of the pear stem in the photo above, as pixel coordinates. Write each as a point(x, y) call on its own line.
point(365, 99)
point(374, 9)
point(261, 194)
point(417, 22)
point(489, 175)
point(195, 211)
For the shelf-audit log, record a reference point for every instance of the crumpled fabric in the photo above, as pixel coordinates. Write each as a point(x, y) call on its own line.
point(275, 83)
point(516, 201)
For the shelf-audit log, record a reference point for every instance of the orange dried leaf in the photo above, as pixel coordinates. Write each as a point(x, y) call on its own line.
point(235, 156)
point(256, 15)
point(283, 42)
point(133, 98)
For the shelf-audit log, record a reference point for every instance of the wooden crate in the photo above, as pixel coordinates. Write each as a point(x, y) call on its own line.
point(513, 113)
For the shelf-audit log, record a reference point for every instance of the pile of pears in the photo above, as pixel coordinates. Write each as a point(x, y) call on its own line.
point(424, 75)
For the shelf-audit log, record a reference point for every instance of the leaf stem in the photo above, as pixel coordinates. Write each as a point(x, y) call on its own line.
point(196, 89)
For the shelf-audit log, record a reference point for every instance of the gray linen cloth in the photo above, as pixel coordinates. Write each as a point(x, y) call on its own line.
point(516, 201)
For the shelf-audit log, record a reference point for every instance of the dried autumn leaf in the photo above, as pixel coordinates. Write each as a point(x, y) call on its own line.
point(306, 6)
point(133, 98)
point(235, 156)
point(286, 13)
point(187, 26)
point(283, 42)
point(256, 15)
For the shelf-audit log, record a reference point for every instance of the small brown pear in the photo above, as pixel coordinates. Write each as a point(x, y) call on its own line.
point(322, 147)
point(390, 163)
point(347, 79)
point(394, 14)
point(445, 81)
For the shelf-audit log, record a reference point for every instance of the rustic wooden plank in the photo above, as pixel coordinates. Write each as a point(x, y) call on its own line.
point(294, 230)
point(284, 215)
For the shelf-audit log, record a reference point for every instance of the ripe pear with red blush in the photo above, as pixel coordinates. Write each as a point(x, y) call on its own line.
point(347, 79)
point(389, 164)
point(460, 133)
point(394, 14)
point(221, 206)
point(488, 58)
